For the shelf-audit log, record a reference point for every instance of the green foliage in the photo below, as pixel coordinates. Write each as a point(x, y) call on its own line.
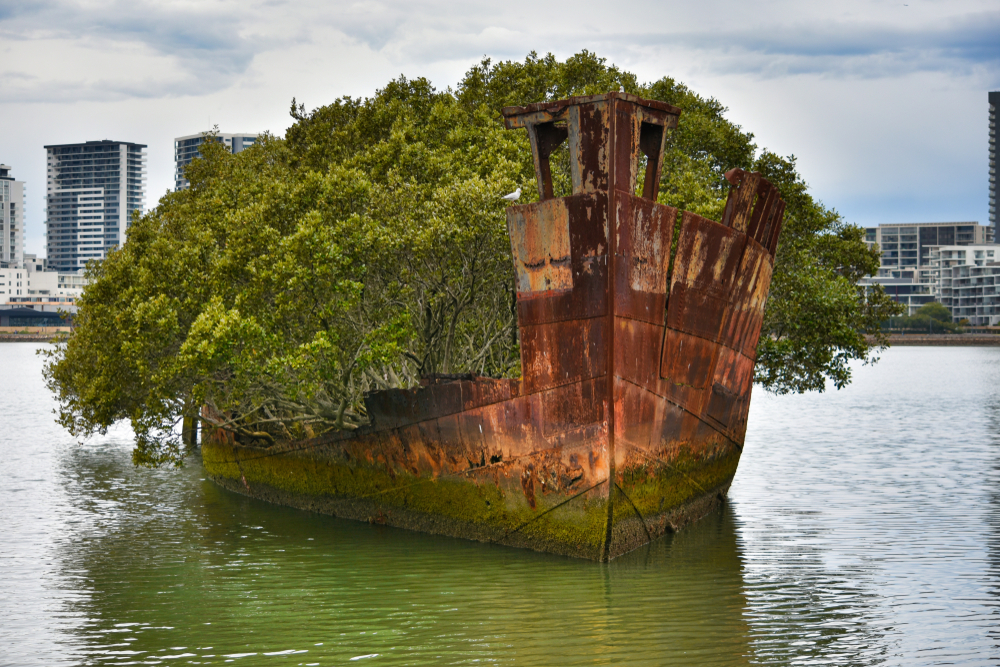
point(368, 247)
point(932, 317)
point(936, 311)
point(817, 316)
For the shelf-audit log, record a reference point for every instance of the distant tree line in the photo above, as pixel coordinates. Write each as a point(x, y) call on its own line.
point(932, 317)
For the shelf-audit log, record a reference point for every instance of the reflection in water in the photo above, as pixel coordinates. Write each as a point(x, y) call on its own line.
point(992, 475)
point(993, 542)
point(863, 515)
point(864, 528)
point(183, 566)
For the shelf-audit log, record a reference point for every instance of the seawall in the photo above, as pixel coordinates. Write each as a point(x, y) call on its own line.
point(944, 339)
point(27, 337)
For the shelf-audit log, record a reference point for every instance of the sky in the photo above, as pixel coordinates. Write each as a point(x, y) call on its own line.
point(883, 103)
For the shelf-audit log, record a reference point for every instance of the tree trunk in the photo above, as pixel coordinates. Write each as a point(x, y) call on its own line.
point(189, 433)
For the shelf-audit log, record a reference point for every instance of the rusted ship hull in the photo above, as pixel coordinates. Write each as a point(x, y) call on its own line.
point(638, 328)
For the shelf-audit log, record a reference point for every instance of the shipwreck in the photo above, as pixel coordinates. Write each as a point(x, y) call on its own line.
point(638, 330)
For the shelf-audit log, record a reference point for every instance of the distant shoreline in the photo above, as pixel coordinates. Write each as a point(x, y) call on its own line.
point(956, 340)
point(941, 340)
point(27, 338)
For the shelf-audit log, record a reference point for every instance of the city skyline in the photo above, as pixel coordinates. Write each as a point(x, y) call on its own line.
point(236, 142)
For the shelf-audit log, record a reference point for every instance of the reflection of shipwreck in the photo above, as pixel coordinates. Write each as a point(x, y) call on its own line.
point(638, 331)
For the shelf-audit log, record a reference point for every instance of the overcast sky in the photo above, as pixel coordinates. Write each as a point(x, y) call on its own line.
point(884, 103)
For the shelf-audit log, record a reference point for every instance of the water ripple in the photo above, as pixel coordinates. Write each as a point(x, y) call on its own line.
point(863, 529)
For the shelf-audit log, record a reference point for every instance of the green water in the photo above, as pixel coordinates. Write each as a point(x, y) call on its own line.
point(863, 528)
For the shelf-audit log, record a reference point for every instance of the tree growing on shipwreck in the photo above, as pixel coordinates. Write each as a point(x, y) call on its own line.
point(369, 248)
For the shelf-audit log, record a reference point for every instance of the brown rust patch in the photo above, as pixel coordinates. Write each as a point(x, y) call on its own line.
point(540, 243)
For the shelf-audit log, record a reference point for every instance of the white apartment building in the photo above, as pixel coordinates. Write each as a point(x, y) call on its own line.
point(966, 282)
point(187, 149)
point(11, 219)
point(906, 247)
point(943, 258)
point(903, 290)
point(970, 292)
point(24, 283)
point(33, 262)
point(92, 190)
point(913, 255)
point(39, 290)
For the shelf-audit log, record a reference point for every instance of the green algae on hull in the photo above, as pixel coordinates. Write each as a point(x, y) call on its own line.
point(489, 511)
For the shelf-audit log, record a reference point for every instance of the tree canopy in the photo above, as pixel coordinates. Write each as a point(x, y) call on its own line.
point(936, 311)
point(368, 247)
point(932, 317)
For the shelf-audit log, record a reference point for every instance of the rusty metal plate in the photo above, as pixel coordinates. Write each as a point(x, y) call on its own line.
point(588, 261)
point(572, 406)
point(514, 427)
point(728, 411)
point(589, 128)
point(644, 306)
point(645, 231)
point(587, 299)
point(543, 112)
point(643, 258)
point(539, 238)
point(635, 413)
point(746, 313)
point(754, 206)
point(676, 428)
point(767, 198)
point(486, 391)
point(733, 371)
point(688, 360)
point(387, 408)
point(707, 258)
point(628, 152)
point(770, 237)
point(742, 292)
point(742, 196)
point(563, 352)
point(637, 351)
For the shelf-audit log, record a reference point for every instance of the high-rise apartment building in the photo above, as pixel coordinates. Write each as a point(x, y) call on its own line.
point(187, 149)
point(11, 220)
point(915, 255)
point(994, 108)
point(91, 191)
point(906, 247)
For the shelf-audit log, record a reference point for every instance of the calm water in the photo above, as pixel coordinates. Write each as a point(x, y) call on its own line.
point(863, 528)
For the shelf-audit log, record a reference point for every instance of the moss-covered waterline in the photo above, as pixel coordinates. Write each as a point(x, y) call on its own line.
point(650, 499)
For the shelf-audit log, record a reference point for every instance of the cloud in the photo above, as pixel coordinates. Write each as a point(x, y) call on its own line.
point(190, 48)
point(855, 49)
point(124, 49)
point(850, 49)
